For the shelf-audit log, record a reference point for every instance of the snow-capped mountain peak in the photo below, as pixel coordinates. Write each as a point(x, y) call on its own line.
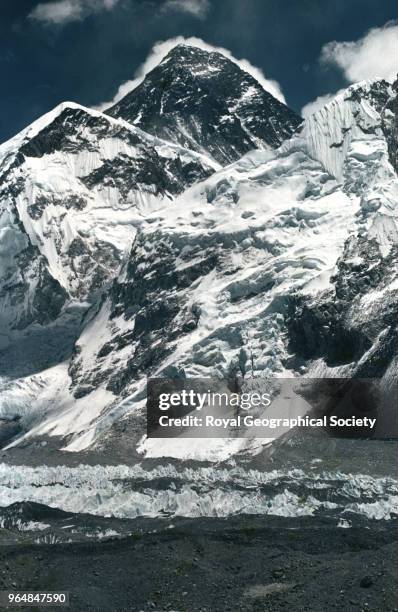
point(204, 101)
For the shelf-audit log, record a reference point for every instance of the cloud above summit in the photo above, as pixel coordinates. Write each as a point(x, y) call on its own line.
point(374, 55)
point(162, 48)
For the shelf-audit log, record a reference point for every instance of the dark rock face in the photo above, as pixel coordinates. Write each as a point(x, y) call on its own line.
point(8, 429)
point(65, 133)
point(153, 299)
point(37, 208)
point(150, 172)
point(317, 330)
point(333, 326)
point(377, 94)
point(49, 296)
point(45, 300)
point(205, 102)
point(76, 131)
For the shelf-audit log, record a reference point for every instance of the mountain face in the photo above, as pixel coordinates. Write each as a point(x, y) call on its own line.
point(205, 102)
point(73, 187)
point(352, 325)
point(281, 264)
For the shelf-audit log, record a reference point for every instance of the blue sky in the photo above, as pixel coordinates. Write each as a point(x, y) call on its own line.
point(83, 50)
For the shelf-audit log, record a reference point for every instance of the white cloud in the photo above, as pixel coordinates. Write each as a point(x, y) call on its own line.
point(162, 48)
point(61, 12)
point(318, 103)
point(374, 55)
point(197, 8)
